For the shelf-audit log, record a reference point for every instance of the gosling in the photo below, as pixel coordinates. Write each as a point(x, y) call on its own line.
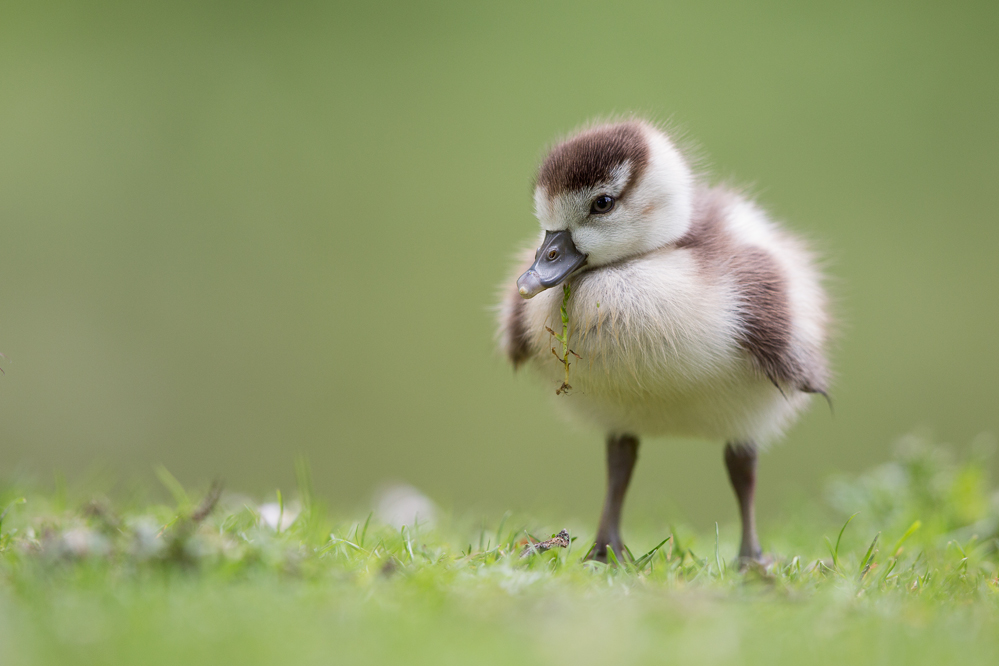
point(691, 312)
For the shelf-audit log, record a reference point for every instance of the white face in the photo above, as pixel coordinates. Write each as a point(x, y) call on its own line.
point(654, 212)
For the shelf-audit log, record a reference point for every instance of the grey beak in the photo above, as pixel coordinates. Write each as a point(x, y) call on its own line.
point(556, 259)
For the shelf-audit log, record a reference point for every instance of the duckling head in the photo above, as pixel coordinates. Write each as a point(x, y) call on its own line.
point(607, 193)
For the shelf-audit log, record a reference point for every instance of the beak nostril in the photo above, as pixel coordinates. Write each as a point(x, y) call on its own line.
point(554, 260)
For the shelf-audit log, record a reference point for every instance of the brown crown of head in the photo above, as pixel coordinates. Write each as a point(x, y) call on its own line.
point(588, 159)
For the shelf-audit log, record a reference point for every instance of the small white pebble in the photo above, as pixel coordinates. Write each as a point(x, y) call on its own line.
point(83, 541)
point(402, 504)
point(270, 514)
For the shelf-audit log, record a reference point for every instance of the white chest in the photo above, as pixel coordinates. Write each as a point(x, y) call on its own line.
point(658, 351)
point(652, 324)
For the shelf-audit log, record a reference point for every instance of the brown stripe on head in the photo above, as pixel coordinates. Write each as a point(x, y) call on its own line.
point(589, 158)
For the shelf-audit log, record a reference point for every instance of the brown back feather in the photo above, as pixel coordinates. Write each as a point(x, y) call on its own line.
point(764, 312)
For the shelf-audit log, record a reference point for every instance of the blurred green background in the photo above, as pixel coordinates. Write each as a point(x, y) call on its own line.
point(234, 233)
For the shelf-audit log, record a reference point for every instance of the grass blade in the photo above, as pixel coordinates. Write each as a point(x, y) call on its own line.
point(303, 477)
point(280, 499)
point(718, 562)
point(835, 553)
point(869, 557)
point(612, 557)
point(499, 530)
point(175, 487)
point(644, 559)
point(409, 545)
point(891, 567)
point(908, 533)
point(364, 530)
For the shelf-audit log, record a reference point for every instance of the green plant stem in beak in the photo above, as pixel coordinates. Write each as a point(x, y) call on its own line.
point(564, 339)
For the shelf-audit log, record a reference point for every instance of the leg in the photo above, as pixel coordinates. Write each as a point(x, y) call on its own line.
point(622, 452)
point(740, 459)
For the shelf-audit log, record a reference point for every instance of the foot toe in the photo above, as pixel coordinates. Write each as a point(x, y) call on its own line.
point(760, 562)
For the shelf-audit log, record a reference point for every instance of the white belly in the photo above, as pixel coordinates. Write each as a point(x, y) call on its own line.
point(660, 355)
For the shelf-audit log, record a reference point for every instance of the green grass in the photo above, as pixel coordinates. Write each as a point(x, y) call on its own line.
point(911, 579)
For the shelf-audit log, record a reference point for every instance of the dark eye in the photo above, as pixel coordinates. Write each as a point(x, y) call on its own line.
point(602, 204)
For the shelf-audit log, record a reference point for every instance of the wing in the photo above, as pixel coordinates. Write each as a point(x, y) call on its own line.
point(513, 337)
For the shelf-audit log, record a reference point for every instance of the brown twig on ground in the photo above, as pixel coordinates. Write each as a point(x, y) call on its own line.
point(102, 511)
point(560, 540)
point(178, 531)
point(208, 503)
